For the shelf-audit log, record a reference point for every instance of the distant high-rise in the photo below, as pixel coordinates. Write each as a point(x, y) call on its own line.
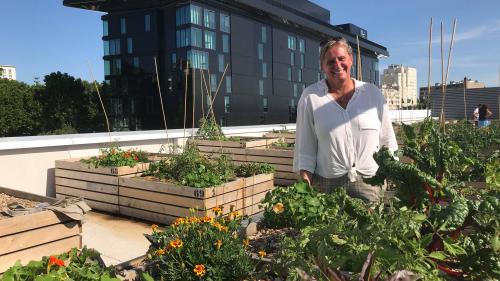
point(8, 72)
point(399, 86)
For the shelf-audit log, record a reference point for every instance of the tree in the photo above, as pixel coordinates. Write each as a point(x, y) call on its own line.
point(19, 111)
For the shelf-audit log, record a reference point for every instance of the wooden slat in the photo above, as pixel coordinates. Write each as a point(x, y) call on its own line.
point(164, 187)
point(271, 152)
point(147, 215)
point(161, 208)
point(23, 223)
point(86, 185)
point(74, 192)
point(284, 182)
point(36, 253)
point(237, 194)
point(27, 239)
point(107, 179)
point(167, 198)
point(96, 205)
point(286, 175)
point(75, 164)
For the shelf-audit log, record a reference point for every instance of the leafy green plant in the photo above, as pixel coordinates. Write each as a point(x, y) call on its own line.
point(77, 264)
point(252, 169)
point(114, 156)
point(209, 130)
point(200, 248)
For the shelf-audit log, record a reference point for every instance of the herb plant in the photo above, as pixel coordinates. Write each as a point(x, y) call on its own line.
point(114, 156)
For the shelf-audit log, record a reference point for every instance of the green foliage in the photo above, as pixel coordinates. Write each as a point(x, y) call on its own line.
point(252, 169)
point(281, 143)
point(190, 168)
point(78, 265)
point(204, 248)
point(209, 130)
point(19, 110)
point(492, 172)
point(114, 156)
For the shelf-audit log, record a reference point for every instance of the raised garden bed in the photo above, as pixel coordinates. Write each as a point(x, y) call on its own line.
point(163, 202)
point(243, 142)
point(31, 236)
point(288, 137)
point(98, 186)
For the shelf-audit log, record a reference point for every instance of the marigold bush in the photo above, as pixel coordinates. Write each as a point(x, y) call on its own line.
point(114, 156)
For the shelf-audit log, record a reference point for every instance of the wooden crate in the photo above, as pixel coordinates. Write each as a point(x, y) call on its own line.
point(280, 158)
point(288, 137)
point(163, 202)
point(32, 236)
point(98, 186)
point(243, 143)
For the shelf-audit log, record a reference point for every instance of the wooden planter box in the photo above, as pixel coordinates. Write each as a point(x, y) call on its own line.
point(163, 202)
point(288, 137)
point(32, 236)
point(244, 143)
point(98, 186)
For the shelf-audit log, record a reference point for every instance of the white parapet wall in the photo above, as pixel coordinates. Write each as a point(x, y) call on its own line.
point(27, 163)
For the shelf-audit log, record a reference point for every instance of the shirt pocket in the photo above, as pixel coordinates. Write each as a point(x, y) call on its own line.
point(368, 122)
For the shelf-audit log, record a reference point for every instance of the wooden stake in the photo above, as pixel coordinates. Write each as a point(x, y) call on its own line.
point(186, 73)
point(161, 98)
point(100, 99)
point(360, 69)
point(429, 70)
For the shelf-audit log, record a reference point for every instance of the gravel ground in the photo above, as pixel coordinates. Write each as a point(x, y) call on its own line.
point(6, 199)
point(268, 240)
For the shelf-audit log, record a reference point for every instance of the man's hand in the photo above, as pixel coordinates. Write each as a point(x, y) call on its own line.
point(306, 175)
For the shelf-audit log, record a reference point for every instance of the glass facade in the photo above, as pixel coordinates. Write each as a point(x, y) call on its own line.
point(225, 25)
point(196, 37)
point(263, 34)
point(229, 86)
point(113, 47)
point(213, 82)
point(147, 22)
point(264, 70)
point(261, 87)
point(292, 43)
point(123, 26)
point(209, 18)
point(289, 74)
point(198, 59)
point(210, 40)
point(195, 14)
point(225, 43)
point(221, 63)
point(105, 30)
point(130, 47)
point(260, 51)
point(227, 104)
point(292, 59)
point(302, 45)
point(264, 104)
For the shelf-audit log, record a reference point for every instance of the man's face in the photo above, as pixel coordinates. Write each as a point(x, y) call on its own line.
point(337, 64)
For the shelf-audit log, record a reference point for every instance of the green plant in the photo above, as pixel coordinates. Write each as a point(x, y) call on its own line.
point(114, 156)
point(209, 130)
point(200, 248)
point(252, 169)
point(82, 265)
point(492, 172)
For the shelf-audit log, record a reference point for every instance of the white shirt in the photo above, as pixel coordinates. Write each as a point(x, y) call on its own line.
point(332, 141)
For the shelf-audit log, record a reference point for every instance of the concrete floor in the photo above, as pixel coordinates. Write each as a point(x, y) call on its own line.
point(118, 239)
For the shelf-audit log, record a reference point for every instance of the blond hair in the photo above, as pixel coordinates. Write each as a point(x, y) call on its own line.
point(340, 41)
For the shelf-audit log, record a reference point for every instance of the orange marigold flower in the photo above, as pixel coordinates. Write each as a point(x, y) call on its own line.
point(262, 253)
point(246, 243)
point(193, 220)
point(179, 221)
point(218, 243)
point(154, 227)
point(217, 210)
point(160, 252)
point(55, 261)
point(207, 219)
point(278, 208)
point(136, 158)
point(199, 270)
point(177, 243)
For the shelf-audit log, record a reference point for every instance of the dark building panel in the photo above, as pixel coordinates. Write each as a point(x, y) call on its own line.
point(454, 106)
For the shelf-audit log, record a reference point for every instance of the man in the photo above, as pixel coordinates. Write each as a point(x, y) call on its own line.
point(341, 122)
point(475, 115)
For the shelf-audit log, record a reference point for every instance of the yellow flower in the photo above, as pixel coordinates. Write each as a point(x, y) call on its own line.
point(193, 220)
point(199, 270)
point(179, 221)
point(278, 208)
point(218, 243)
point(177, 243)
point(207, 219)
point(217, 210)
point(235, 214)
point(160, 252)
point(246, 243)
point(262, 253)
point(154, 227)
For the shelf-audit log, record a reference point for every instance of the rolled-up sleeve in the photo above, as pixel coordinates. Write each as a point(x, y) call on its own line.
point(387, 136)
point(306, 143)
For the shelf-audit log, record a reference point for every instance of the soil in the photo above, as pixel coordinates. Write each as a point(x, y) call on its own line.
point(5, 199)
point(269, 239)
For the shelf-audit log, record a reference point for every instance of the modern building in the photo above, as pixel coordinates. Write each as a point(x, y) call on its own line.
point(8, 72)
point(399, 86)
point(469, 84)
point(253, 57)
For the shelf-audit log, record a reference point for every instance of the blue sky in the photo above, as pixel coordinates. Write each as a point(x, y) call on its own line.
point(42, 36)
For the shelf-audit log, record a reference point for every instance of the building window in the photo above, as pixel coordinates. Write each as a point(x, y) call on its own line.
point(105, 28)
point(295, 90)
point(209, 18)
point(106, 47)
point(229, 86)
point(183, 37)
point(135, 64)
point(225, 25)
point(292, 59)
point(181, 15)
point(261, 87)
point(289, 77)
point(198, 59)
point(196, 37)
point(292, 103)
point(107, 68)
point(225, 43)
point(223, 121)
point(213, 82)
point(292, 43)
point(210, 40)
point(221, 63)
point(264, 70)
point(130, 47)
point(116, 106)
point(264, 104)
point(123, 26)
point(302, 60)
point(299, 75)
point(114, 47)
point(195, 14)
point(116, 66)
point(302, 45)
point(260, 51)
point(174, 58)
point(227, 104)
point(147, 22)
point(263, 34)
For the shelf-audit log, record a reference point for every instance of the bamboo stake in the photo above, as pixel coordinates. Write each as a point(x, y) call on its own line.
point(429, 70)
point(161, 98)
point(360, 69)
point(220, 82)
point(465, 101)
point(194, 101)
point(202, 97)
point(100, 100)
point(186, 74)
point(448, 67)
point(441, 116)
